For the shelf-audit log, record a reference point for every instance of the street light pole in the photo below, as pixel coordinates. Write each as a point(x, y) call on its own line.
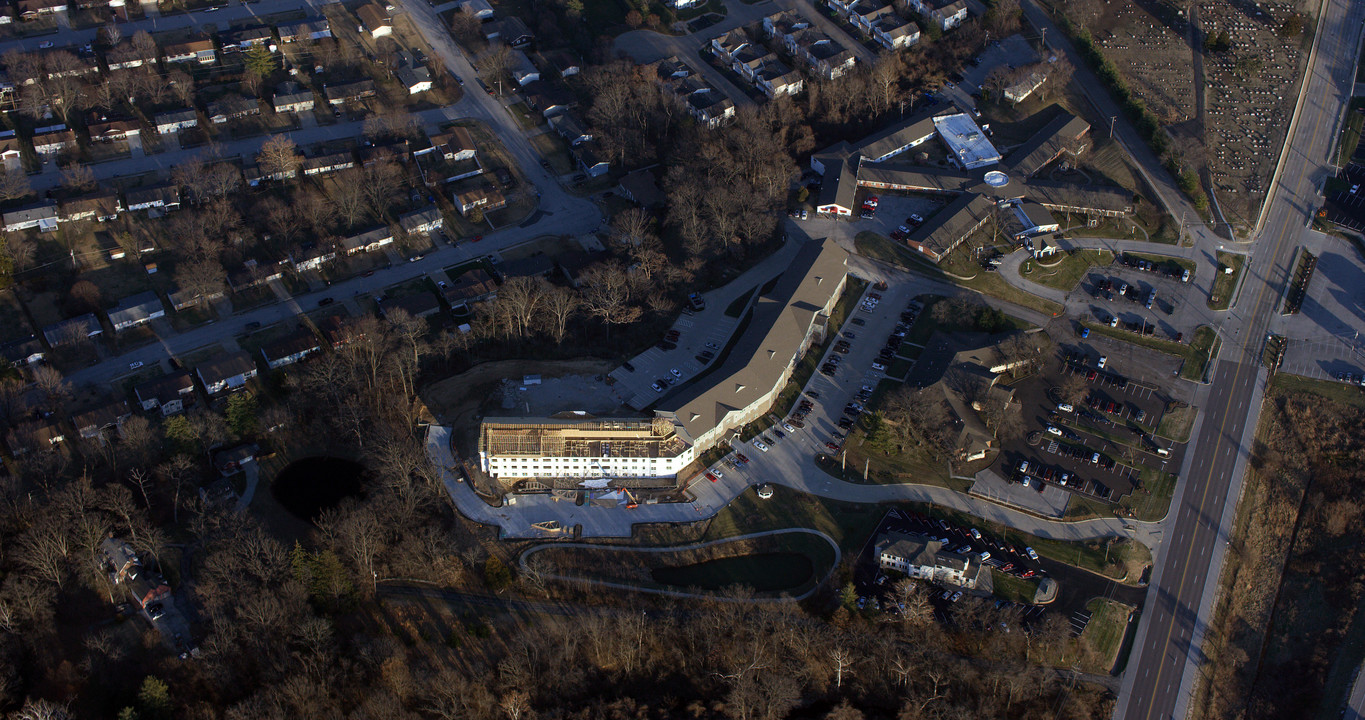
point(1112, 118)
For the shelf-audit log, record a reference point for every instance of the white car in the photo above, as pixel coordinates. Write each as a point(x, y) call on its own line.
point(1103, 359)
point(134, 364)
point(956, 596)
point(674, 372)
point(788, 427)
point(760, 445)
point(657, 387)
point(716, 471)
point(985, 554)
point(1066, 407)
point(1054, 430)
point(878, 366)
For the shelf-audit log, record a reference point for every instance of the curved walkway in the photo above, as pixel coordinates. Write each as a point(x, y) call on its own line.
point(838, 557)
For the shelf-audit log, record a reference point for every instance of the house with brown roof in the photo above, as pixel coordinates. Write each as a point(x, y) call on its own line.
point(92, 423)
point(200, 51)
point(470, 287)
point(484, 198)
point(291, 349)
point(113, 130)
point(54, 141)
point(374, 20)
point(169, 393)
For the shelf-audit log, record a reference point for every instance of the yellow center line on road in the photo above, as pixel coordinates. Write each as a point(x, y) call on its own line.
point(1222, 428)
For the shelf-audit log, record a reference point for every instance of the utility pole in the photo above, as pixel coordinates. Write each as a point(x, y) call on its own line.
point(1044, 39)
point(1112, 118)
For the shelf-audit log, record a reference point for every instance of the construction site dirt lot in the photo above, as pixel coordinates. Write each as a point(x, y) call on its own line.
point(1226, 102)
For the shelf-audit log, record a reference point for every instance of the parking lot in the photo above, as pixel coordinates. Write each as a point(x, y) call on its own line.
point(696, 333)
point(1095, 447)
point(1327, 334)
point(894, 210)
point(1119, 297)
point(1347, 208)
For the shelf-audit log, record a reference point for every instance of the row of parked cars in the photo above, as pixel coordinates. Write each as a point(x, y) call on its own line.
point(1000, 555)
point(1171, 269)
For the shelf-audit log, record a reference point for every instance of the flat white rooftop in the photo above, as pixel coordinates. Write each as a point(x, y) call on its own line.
point(966, 141)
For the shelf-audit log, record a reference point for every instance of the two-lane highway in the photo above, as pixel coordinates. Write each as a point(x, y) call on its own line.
point(1184, 585)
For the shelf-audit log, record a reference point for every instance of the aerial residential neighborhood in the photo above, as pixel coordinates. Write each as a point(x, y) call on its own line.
point(667, 358)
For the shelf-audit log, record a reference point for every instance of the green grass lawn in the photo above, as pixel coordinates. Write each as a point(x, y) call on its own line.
point(1176, 423)
point(1350, 131)
point(1224, 285)
point(848, 523)
point(1201, 349)
point(1104, 633)
point(1151, 503)
point(1013, 589)
point(1066, 273)
point(1334, 391)
point(872, 245)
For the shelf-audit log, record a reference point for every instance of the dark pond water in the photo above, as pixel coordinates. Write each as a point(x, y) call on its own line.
point(764, 572)
point(311, 485)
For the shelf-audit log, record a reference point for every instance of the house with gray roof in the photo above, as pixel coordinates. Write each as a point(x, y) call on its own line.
point(135, 310)
point(923, 558)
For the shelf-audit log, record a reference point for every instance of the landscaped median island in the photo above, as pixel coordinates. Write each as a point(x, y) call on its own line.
point(1064, 272)
point(1198, 353)
point(1225, 284)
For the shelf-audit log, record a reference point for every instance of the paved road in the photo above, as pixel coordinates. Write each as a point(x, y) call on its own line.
point(1355, 703)
point(1184, 585)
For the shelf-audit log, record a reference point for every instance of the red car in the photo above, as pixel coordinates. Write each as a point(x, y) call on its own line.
point(478, 238)
point(711, 476)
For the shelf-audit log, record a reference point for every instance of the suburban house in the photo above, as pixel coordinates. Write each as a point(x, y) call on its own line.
point(510, 30)
point(571, 129)
point(200, 51)
point(770, 75)
point(183, 299)
point(521, 68)
point(246, 38)
point(561, 61)
point(470, 287)
point(175, 121)
point(478, 8)
point(346, 92)
point(124, 55)
point(72, 330)
point(672, 68)
point(32, 9)
point(235, 459)
point(338, 331)
point(227, 373)
point(421, 222)
point(484, 198)
point(418, 306)
point(253, 274)
point(455, 144)
point(641, 188)
point(291, 349)
point(311, 257)
point(330, 163)
point(826, 56)
point(163, 197)
point(947, 14)
point(924, 559)
point(170, 393)
point(709, 106)
point(589, 161)
point(367, 241)
point(232, 107)
point(375, 20)
point(35, 435)
point(23, 351)
point(289, 97)
point(43, 217)
point(548, 98)
point(304, 30)
point(92, 423)
point(114, 130)
point(878, 20)
point(135, 310)
point(725, 47)
point(416, 78)
point(54, 141)
point(102, 207)
point(10, 148)
point(1018, 91)
point(125, 569)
